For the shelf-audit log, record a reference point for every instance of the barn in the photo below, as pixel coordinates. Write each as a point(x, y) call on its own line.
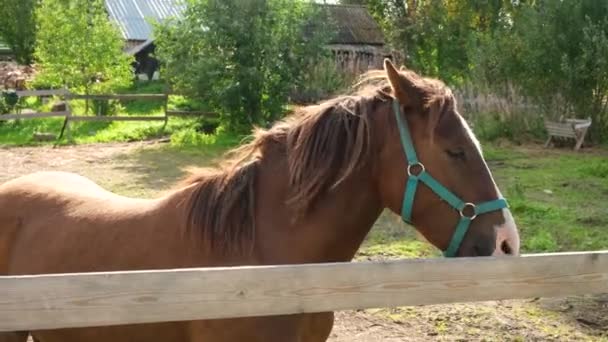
point(357, 46)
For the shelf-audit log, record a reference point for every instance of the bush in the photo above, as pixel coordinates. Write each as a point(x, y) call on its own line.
point(322, 81)
point(77, 47)
point(18, 28)
point(553, 52)
point(105, 107)
point(557, 54)
point(4, 109)
point(241, 57)
point(8, 101)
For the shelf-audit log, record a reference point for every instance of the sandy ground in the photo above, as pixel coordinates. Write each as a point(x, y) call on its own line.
point(142, 169)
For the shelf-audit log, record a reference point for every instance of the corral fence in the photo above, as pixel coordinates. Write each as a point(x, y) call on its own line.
point(53, 301)
point(65, 95)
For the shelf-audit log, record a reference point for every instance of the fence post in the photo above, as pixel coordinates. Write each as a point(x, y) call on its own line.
point(66, 123)
point(166, 106)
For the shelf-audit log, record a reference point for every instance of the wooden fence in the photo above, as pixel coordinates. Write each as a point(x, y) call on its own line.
point(25, 93)
point(66, 96)
point(112, 298)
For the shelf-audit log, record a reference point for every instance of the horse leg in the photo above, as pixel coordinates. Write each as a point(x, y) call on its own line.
point(14, 336)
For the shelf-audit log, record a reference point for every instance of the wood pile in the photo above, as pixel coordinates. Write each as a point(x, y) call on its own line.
point(15, 76)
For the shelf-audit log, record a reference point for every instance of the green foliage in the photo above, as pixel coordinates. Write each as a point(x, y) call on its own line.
point(554, 53)
point(191, 137)
point(17, 28)
point(8, 100)
point(433, 37)
point(321, 81)
point(557, 54)
point(77, 47)
point(241, 57)
point(4, 108)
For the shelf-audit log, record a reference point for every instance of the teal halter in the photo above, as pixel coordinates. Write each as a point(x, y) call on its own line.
point(445, 194)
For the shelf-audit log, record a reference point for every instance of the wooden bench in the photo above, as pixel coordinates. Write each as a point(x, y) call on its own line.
point(575, 129)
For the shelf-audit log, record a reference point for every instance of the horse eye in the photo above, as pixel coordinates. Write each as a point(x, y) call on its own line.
point(456, 154)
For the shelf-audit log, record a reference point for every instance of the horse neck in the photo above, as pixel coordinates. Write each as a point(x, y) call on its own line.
point(332, 231)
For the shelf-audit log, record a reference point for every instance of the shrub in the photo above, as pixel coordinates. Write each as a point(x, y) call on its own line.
point(241, 57)
point(322, 81)
point(77, 47)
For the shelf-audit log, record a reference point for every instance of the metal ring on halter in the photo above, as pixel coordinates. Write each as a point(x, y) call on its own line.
point(464, 207)
point(409, 169)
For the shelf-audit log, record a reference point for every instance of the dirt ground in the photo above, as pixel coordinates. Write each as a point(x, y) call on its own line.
point(145, 169)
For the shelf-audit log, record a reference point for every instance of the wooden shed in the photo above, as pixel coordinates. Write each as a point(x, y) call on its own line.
point(359, 43)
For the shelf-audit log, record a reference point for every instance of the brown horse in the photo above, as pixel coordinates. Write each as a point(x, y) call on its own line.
point(306, 190)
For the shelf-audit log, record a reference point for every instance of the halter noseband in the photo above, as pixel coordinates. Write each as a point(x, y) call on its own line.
point(445, 194)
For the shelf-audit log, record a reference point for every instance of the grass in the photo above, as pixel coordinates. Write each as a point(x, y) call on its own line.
point(19, 133)
point(390, 238)
point(557, 197)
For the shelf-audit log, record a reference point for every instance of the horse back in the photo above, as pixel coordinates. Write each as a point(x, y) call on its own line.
point(55, 222)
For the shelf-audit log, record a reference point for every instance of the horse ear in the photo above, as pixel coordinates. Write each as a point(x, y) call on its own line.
point(404, 88)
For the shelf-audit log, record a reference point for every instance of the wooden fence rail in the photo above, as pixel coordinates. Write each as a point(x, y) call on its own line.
point(69, 117)
point(100, 299)
point(48, 92)
point(33, 115)
point(157, 97)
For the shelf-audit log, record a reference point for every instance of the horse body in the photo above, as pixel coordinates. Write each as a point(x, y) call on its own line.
point(307, 190)
point(108, 232)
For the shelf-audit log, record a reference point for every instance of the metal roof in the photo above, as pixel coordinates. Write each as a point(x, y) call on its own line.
point(132, 16)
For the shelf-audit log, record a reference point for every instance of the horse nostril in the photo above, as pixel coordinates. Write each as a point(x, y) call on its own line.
point(506, 248)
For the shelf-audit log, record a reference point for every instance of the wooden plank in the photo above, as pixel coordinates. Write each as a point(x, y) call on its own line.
point(98, 299)
point(558, 126)
point(47, 92)
point(566, 134)
point(580, 139)
point(118, 97)
point(31, 115)
point(561, 131)
point(191, 113)
point(579, 121)
point(117, 118)
point(580, 126)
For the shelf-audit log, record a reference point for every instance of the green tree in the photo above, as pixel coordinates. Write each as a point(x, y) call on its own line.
point(555, 53)
point(79, 48)
point(437, 37)
point(17, 28)
point(241, 57)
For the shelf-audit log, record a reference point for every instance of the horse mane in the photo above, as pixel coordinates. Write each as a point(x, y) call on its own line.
point(323, 145)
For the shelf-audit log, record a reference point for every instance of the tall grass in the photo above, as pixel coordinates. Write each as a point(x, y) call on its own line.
point(507, 115)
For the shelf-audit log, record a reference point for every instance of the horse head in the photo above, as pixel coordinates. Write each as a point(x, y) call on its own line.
point(432, 171)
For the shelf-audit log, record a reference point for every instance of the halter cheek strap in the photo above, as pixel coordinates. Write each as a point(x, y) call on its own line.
point(423, 176)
